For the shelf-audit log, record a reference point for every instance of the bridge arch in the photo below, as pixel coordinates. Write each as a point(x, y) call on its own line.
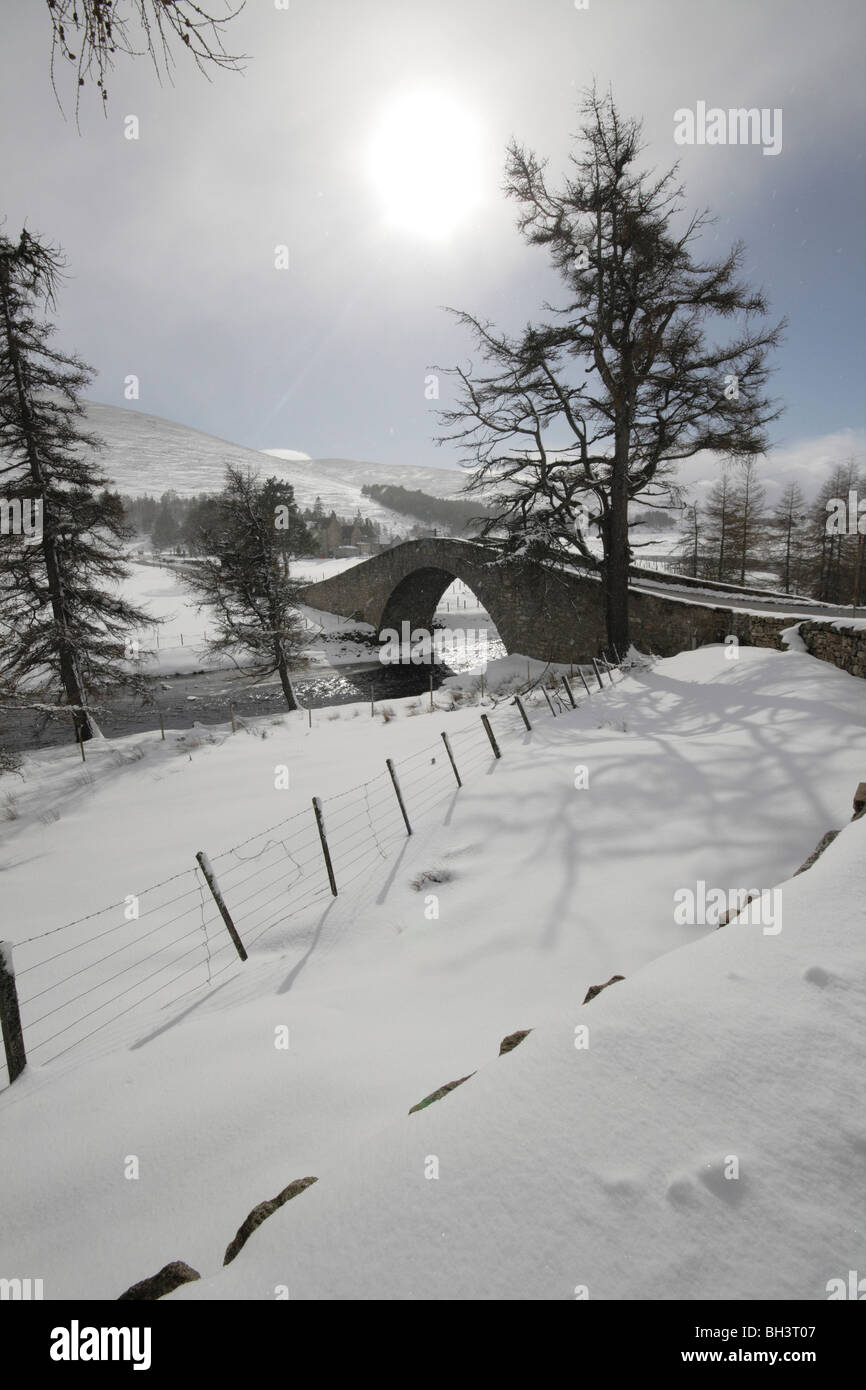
point(416, 597)
point(535, 611)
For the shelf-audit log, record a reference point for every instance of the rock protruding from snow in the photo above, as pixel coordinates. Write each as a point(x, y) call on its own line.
point(169, 1278)
point(437, 1095)
point(509, 1043)
point(825, 840)
point(596, 989)
point(262, 1212)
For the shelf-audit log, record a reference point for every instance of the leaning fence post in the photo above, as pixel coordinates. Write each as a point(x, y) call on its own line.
point(523, 715)
point(161, 725)
point(10, 1015)
point(210, 878)
point(569, 692)
point(549, 705)
point(597, 673)
point(451, 758)
point(583, 678)
point(390, 767)
point(487, 729)
point(616, 654)
point(320, 822)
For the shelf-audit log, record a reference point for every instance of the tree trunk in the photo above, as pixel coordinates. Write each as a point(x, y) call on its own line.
point(285, 681)
point(617, 556)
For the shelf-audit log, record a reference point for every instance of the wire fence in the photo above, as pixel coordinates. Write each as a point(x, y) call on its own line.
point(170, 940)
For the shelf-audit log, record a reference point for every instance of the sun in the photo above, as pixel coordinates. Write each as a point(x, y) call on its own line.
point(424, 162)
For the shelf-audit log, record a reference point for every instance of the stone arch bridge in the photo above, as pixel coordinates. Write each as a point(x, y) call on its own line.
point(541, 612)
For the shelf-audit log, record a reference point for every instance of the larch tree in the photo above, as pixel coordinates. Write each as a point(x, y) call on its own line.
point(788, 518)
point(243, 580)
point(576, 416)
point(750, 524)
point(89, 34)
point(66, 627)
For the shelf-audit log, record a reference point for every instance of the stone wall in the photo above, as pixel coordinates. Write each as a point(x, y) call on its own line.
point(551, 615)
point(845, 647)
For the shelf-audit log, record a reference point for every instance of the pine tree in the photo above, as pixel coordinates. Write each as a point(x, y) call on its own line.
point(65, 624)
point(583, 414)
point(165, 532)
point(241, 579)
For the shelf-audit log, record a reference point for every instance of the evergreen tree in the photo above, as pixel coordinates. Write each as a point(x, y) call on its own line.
point(165, 532)
point(292, 537)
point(65, 623)
point(242, 580)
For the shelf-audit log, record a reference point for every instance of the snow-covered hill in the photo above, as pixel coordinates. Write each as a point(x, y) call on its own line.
point(145, 454)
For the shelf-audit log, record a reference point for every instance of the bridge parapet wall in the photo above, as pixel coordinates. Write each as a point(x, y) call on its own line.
point(551, 615)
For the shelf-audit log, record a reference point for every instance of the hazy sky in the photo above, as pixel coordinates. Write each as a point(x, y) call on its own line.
point(171, 237)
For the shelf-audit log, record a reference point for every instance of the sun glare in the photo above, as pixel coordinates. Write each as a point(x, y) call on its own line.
point(424, 161)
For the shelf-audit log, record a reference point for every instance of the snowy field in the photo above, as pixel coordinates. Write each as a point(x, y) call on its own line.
point(696, 1131)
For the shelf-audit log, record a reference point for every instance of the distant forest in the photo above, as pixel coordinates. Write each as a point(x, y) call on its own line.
point(452, 513)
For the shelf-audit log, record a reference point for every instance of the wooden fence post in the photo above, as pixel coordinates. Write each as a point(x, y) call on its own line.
point(10, 1015)
point(569, 692)
point(549, 704)
point(161, 725)
point(210, 878)
point(320, 822)
point(451, 758)
point(583, 678)
point(232, 714)
point(597, 673)
point(390, 767)
point(487, 729)
point(523, 715)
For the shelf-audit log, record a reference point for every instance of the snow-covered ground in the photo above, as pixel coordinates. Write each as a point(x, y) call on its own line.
point(703, 1139)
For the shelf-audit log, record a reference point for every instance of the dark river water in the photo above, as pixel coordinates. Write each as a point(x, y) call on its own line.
point(203, 697)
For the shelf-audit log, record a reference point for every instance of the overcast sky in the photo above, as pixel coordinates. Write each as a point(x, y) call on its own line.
point(171, 237)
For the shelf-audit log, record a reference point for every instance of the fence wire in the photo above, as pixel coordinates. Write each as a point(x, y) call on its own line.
point(169, 941)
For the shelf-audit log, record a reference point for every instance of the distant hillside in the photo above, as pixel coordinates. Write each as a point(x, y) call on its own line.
point(146, 454)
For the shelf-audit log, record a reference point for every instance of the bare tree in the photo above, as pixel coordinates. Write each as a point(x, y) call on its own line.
point(596, 407)
point(89, 33)
point(789, 514)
